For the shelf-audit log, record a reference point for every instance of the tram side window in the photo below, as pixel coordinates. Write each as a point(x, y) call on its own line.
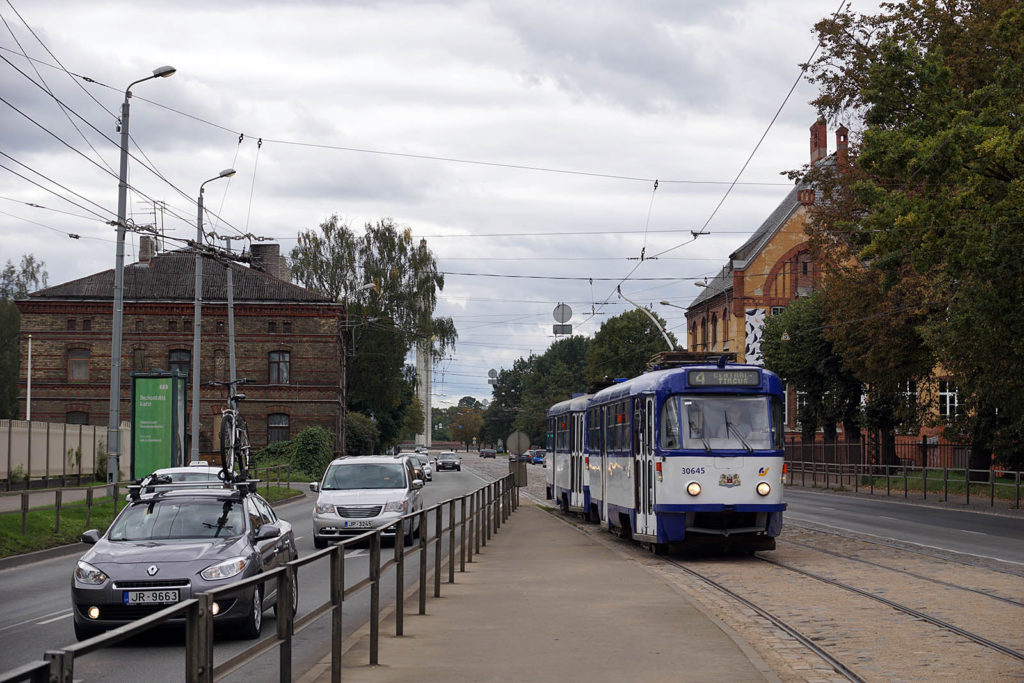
point(778, 422)
point(671, 434)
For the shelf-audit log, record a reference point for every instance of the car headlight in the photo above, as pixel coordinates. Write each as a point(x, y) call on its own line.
point(395, 506)
point(763, 488)
point(86, 573)
point(225, 569)
point(324, 508)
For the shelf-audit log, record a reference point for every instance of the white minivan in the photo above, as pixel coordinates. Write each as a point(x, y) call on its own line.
point(365, 492)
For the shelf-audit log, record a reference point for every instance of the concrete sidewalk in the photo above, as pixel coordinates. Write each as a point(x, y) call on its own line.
point(545, 602)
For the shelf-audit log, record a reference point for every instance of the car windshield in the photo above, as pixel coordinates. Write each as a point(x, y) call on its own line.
point(448, 456)
point(178, 477)
point(164, 519)
point(347, 476)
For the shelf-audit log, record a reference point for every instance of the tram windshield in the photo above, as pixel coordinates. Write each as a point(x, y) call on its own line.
point(718, 422)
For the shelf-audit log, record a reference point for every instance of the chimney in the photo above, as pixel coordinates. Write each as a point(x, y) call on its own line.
point(267, 258)
point(842, 140)
point(819, 146)
point(147, 249)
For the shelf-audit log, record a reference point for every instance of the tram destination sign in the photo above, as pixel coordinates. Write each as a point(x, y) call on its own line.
point(724, 378)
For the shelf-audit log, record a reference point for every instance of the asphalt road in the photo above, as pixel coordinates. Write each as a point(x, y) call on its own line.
point(37, 610)
point(993, 536)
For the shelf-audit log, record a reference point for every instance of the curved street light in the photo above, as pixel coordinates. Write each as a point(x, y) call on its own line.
point(197, 324)
point(114, 422)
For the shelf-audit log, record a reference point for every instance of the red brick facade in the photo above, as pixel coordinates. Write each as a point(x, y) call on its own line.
point(71, 317)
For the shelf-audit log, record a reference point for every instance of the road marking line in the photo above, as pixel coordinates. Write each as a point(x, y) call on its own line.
point(50, 621)
point(26, 621)
point(977, 533)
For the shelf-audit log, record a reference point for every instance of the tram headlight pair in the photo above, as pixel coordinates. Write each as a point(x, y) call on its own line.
point(763, 488)
point(693, 488)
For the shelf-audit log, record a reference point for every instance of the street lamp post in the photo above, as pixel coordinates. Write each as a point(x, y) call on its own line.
point(114, 422)
point(197, 324)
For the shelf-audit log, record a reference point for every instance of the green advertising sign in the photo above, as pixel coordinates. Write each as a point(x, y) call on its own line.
point(155, 431)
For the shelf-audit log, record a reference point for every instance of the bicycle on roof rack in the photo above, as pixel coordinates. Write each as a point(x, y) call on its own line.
point(234, 436)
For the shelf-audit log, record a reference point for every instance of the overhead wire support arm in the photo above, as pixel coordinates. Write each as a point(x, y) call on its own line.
point(671, 346)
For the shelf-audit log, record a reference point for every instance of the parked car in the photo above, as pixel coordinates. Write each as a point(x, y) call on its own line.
point(365, 492)
point(449, 461)
point(171, 544)
point(488, 453)
point(428, 469)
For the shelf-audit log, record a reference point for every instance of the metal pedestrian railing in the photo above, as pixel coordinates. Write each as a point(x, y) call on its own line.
point(1001, 488)
point(481, 514)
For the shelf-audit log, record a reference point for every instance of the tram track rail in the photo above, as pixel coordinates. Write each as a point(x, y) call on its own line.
point(917, 614)
point(921, 577)
point(952, 556)
point(837, 665)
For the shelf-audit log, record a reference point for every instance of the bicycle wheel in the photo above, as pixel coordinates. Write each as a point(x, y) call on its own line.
point(227, 448)
point(241, 449)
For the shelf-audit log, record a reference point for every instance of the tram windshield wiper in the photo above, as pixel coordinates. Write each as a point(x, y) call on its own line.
point(732, 428)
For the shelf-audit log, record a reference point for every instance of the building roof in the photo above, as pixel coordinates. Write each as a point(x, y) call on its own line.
point(170, 276)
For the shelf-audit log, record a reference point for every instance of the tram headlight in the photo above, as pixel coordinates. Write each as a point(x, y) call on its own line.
point(763, 488)
point(693, 488)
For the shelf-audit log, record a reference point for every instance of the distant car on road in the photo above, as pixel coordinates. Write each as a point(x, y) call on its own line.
point(174, 543)
point(538, 457)
point(449, 461)
point(488, 453)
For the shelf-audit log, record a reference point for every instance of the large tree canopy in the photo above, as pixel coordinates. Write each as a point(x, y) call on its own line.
point(15, 283)
point(623, 345)
point(934, 198)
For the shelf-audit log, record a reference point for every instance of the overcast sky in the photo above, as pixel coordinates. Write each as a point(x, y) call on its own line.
point(573, 110)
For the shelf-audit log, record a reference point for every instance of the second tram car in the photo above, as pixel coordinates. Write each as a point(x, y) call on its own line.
point(690, 456)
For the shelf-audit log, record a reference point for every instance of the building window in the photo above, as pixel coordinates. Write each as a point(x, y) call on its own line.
point(280, 366)
point(704, 333)
point(803, 268)
point(278, 427)
point(86, 324)
point(172, 325)
point(287, 325)
point(180, 360)
point(72, 323)
point(777, 309)
point(714, 332)
point(271, 326)
point(76, 417)
point(78, 365)
point(138, 359)
point(220, 326)
point(726, 335)
point(140, 326)
point(949, 399)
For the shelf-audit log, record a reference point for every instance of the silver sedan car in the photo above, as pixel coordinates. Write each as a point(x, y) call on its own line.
point(174, 543)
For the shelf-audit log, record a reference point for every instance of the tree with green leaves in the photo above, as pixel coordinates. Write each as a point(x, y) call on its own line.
point(933, 93)
point(623, 346)
point(390, 285)
point(554, 376)
point(796, 348)
point(15, 283)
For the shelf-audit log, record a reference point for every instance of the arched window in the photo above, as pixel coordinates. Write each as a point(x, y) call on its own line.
point(78, 365)
point(180, 360)
point(278, 427)
point(714, 332)
point(704, 333)
point(725, 329)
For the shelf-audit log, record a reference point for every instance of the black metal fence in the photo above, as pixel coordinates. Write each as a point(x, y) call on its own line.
point(481, 513)
point(991, 488)
point(923, 453)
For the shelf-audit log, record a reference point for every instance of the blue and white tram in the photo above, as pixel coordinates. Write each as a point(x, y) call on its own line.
point(690, 456)
point(567, 470)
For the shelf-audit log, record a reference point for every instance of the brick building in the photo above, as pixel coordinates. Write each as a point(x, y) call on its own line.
point(768, 271)
point(286, 343)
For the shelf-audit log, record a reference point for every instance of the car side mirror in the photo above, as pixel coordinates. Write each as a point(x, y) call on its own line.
point(268, 531)
point(417, 483)
point(313, 486)
point(92, 536)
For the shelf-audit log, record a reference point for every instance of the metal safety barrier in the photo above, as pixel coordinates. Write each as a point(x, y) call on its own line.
point(481, 513)
point(944, 484)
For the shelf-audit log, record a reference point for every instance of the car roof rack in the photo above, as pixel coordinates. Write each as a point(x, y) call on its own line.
point(162, 484)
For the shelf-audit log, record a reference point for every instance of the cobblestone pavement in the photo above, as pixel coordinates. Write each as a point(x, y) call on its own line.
point(876, 641)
